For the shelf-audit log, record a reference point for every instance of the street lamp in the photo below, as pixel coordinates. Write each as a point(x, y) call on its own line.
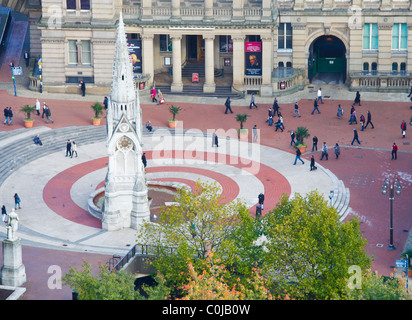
point(394, 186)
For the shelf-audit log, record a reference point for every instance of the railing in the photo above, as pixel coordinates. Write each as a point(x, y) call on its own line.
point(287, 79)
point(251, 81)
point(197, 13)
point(383, 81)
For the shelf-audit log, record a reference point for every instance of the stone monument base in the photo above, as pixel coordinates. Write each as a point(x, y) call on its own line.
point(13, 272)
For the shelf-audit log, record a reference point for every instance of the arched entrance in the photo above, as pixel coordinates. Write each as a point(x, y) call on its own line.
point(327, 60)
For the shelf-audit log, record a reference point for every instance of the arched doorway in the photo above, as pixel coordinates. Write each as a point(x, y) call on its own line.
point(327, 60)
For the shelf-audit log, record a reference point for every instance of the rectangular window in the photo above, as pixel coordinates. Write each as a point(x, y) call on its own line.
point(86, 52)
point(226, 44)
point(73, 52)
point(71, 4)
point(285, 36)
point(370, 36)
point(85, 4)
point(165, 43)
point(400, 36)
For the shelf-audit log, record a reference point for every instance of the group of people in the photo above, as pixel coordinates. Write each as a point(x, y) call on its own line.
point(71, 148)
point(159, 94)
point(8, 116)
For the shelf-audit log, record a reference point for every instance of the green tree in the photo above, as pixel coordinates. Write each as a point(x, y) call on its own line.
point(375, 287)
point(103, 286)
point(309, 249)
point(242, 119)
point(200, 221)
point(111, 285)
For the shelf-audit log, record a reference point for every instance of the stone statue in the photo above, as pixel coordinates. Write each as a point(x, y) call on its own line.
point(12, 225)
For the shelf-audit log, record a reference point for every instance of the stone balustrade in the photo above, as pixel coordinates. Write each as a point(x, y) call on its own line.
point(382, 82)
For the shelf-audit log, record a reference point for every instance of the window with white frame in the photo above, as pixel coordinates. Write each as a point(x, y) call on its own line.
point(165, 43)
point(73, 57)
point(400, 36)
point(285, 36)
point(84, 48)
point(370, 36)
point(78, 4)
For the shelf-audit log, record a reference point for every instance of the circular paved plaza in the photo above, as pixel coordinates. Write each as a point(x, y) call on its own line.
point(57, 229)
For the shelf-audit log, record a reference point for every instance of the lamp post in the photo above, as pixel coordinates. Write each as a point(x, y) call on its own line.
point(394, 187)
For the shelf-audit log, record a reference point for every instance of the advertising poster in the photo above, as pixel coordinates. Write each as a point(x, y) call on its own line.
point(253, 56)
point(135, 51)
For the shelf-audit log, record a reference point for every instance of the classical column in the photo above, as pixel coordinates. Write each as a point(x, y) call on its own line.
point(299, 37)
point(238, 15)
point(209, 85)
point(147, 57)
point(208, 14)
point(238, 61)
point(386, 5)
point(267, 65)
point(147, 10)
point(177, 84)
point(385, 47)
point(175, 11)
point(266, 11)
point(409, 58)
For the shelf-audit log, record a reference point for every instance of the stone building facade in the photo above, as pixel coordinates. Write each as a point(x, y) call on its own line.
point(366, 44)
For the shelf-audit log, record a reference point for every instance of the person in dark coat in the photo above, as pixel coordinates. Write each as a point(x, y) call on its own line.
point(355, 137)
point(275, 107)
point(403, 128)
point(312, 163)
point(261, 198)
point(315, 106)
point(357, 98)
point(69, 148)
point(369, 120)
point(144, 159)
point(27, 58)
point(106, 102)
point(227, 104)
point(315, 143)
point(83, 88)
point(298, 153)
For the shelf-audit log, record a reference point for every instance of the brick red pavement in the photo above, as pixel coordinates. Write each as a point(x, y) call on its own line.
point(362, 170)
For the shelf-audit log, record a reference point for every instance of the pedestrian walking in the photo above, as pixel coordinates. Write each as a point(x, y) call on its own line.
point(394, 151)
point(292, 138)
point(403, 128)
point(315, 107)
point(82, 86)
point(252, 102)
point(37, 140)
point(324, 151)
point(4, 213)
point(298, 153)
point(261, 199)
point(410, 93)
point(144, 159)
point(44, 110)
point(153, 94)
point(362, 121)
point(38, 107)
point(255, 134)
point(320, 95)
point(312, 163)
point(48, 115)
point(216, 141)
point(227, 104)
point(17, 201)
point(68, 148)
point(27, 58)
point(275, 107)
point(355, 137)
point(315, 143)
point(10, 116)
point(337, 150)
point(353, 116)
point(340, 112)
point(279, 125)
point(357, 98)
point(6, 115)
point(270, 121)
point(74, 149)
point(281, 121)
point(369, 120)
point(296, 110)
point(106, 102)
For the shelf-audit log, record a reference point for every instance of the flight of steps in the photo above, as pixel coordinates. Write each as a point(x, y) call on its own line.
point(197, 90)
